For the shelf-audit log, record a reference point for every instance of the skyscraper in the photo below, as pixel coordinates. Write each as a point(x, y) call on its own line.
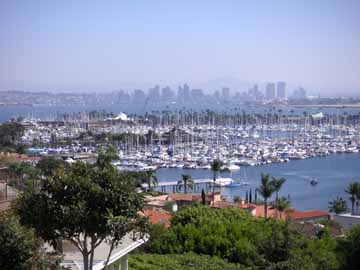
point(225, 93)
point(154, 94)
point(167, 94)
point(281, 90)
point(139, 96)
point(270, 91)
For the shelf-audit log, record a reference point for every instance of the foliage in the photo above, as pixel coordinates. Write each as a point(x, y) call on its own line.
point(149, 178)
point(24, 173)
point(48, 166)
point(86, 205)
point(349, 249)
point(338, 206)
point(186, 182)
point(238, 237)
point(266, 190)
point(10, 133)
point(352, 190)
point(20, 248)
point(188, 261)
point(277, 185)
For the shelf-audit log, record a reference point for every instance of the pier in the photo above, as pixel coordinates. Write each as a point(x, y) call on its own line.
point(220, 182)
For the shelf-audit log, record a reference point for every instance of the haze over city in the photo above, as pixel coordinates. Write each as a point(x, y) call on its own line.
point(97, 46)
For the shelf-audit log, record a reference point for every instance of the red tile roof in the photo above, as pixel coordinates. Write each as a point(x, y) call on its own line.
point(310, 214)
point(156, 217)
point(222, 204)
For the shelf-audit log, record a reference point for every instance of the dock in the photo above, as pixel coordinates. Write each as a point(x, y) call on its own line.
point(220, 182)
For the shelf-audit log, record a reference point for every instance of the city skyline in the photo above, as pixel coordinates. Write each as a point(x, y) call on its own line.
point(93, 46)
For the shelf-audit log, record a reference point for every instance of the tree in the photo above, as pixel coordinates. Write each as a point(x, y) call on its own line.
point(282, 205)
point(16, 245)
point(357, 199)
point(49, 165)
point(266, 190)
point(20, 248)
point(277, 184)
point(216, 167)
point(150, 179)
point(186, 182)
point(237, 199)
point(24, 171)
point(338, 205)
point(10, 133)
point(349, 248)
point(352, 190)
point(203, 197)
point(86, 205)
point(106, 157)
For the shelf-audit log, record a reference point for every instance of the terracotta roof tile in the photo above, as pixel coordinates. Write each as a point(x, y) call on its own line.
point(156, 217)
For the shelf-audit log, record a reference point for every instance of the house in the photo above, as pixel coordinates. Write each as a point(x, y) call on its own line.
point(347, 221)
point(73, 259)
point(308, 216)
point(251, 208)
point(159, 217)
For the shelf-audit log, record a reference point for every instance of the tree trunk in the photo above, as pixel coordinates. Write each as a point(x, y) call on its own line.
point(265, 208)
point(277, 205)
point(86, 260)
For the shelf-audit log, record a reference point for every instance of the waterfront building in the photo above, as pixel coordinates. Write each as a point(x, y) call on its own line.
point(154, 94)
point(299, 93)
point(281, 90)
point(139, 96)
point(73, 258)
point(183, 94)
point(123, 97)
point(197, 95)
point(167, 94)
point(270, 91)
point(225, 94)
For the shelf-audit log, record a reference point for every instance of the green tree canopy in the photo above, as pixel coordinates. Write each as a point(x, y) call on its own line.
point(86, 204)
point(49, 165)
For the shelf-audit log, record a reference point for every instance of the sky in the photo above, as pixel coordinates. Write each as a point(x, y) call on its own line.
point(69, 45)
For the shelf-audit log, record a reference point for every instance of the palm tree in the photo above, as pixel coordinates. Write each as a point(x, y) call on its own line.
point(282, 205)
point(150, 179)
point(266, 190)
point(338, 205)
point(186, 182)
point(277, 184)
point(357, 198)
point(216, 166)
point(352, 190)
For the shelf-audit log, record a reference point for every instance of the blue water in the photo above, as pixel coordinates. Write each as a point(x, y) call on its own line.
point(47, 112)
point(334, 173)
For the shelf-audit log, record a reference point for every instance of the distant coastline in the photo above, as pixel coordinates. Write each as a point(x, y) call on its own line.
point(334, 106)
point(15, 104)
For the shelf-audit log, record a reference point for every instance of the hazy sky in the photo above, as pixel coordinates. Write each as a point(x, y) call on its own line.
point(106, 45)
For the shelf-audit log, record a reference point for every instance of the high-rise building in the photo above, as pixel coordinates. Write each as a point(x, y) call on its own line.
point(154, 94)
point(123, 97)
point(197, 95)
point(183, 94)
point(255, 94)
point(270, 91)
point(281, 90)
point(167, 94)
point(225, 93)
point(139, 96)
point(217, 95)
point(299, 93)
